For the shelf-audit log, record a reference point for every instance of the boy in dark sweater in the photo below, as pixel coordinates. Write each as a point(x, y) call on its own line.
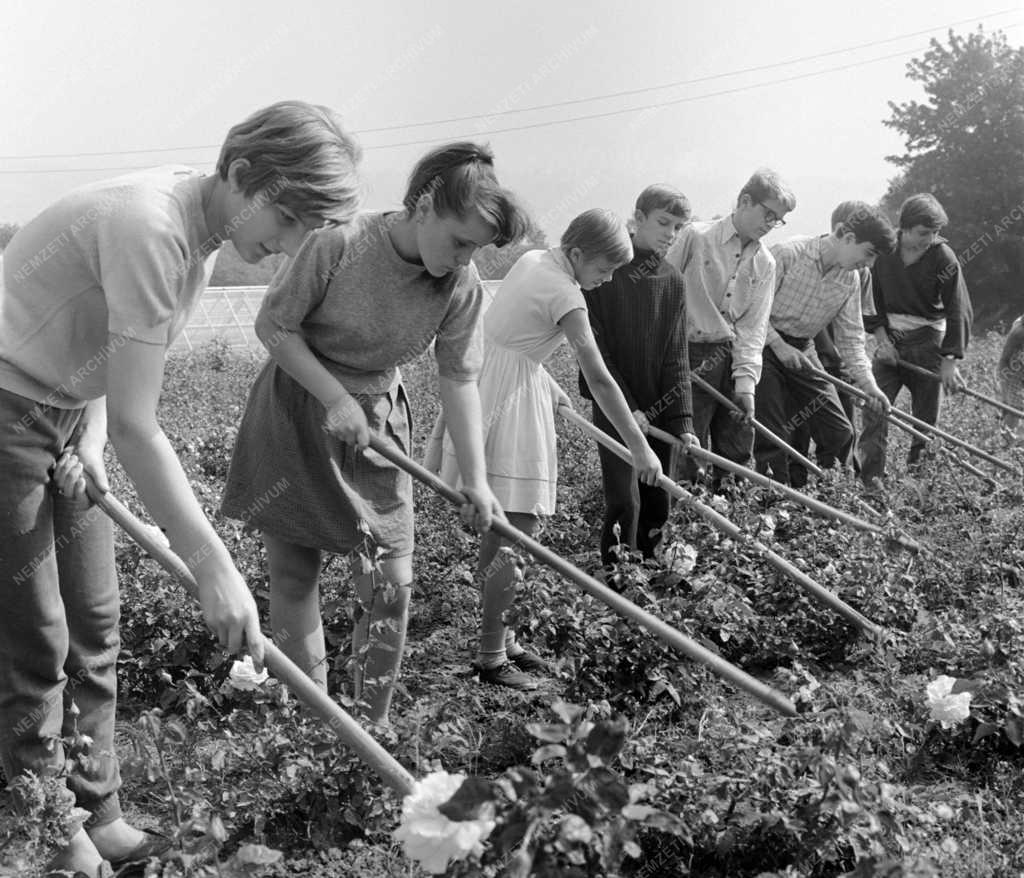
point(639, 321)
point(922, 316)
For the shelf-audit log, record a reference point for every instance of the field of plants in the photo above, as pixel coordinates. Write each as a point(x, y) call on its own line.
point(633, 761)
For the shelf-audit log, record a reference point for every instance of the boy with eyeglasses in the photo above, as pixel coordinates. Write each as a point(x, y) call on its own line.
point(817, 283)
point(729, 277)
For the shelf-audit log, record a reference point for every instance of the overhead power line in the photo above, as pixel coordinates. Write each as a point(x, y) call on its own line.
point(682, 82)
point(533, 125)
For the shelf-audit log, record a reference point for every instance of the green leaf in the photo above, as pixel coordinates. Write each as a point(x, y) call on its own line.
point(555, 733)
point(663, 685)
point(175, 731)
point(632, 849)
point(609, 789)
point(566, 712)
point(638, 812)
point(520, 865)
point(607, 738)
point(469, 799)
point(983, 731)
point(548, 751)
point(559, 790)
point(1013, 727)
point(216, 829)
point(256, 855)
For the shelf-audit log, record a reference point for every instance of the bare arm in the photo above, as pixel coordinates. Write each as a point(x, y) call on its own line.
point(608, 395)
point(134, 379)
point(460, 401)
point(343, 416)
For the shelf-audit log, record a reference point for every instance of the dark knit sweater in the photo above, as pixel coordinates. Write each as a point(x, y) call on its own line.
point(932, 287)
point(639, 321)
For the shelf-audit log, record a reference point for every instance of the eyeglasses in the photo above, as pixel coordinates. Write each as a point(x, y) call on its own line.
point(770, 216)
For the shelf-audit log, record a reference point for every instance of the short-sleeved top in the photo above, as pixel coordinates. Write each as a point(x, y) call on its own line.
point(538, 291)
point(364, 310)
point(121, 259)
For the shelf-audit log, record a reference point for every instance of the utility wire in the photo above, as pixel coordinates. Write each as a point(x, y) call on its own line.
point(489, 131)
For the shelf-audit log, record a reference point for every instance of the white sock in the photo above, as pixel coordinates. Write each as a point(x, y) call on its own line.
point(512, 648)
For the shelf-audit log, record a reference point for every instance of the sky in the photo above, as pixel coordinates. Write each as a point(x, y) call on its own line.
point(798, 86)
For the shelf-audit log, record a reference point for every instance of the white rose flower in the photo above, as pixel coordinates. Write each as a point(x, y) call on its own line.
point(575, 829)
point(243, 675)
point(947, 709)
point(428, 836)
point(679, 557)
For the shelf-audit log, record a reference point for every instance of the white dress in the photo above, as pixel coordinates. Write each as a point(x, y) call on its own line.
point(521, 331)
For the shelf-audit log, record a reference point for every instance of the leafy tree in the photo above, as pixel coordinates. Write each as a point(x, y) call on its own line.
point(7, 231)
point(965, 145)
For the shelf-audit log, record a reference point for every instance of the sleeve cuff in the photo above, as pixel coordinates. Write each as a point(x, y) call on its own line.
point(681, 425)
point(744, 384)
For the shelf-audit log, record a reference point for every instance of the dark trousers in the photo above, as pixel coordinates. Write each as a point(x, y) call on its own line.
point(639, 510)
point(713, 424)
point(787, 399)
point(920, 347)
point(801, 439)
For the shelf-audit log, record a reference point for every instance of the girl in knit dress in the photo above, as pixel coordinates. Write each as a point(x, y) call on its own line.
point(354, 304)
point(539, 304)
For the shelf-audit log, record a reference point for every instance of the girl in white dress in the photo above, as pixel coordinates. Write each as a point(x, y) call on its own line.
point(538, 305)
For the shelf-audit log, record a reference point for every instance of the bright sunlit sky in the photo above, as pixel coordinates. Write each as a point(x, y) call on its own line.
point(121, 76)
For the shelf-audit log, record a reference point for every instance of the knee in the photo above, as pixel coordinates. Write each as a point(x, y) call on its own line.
point(294, 574)
point(500, 573)
point(839, 437)
point(618, 509)
point(392, 603)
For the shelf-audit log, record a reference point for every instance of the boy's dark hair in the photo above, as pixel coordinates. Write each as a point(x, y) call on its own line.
point(922, 209)
point(867, 223)
point(766, 183)
point(844, 210)
point(459, 178)
point(661, 196)
point(300, 157)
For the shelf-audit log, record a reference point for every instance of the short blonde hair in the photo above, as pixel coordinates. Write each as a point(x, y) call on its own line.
point(301, 157)
point(765, 183)
point(599, 232)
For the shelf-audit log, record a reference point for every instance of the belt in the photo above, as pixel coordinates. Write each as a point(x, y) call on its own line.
point(794, 341)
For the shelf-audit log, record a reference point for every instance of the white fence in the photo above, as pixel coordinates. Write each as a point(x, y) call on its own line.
point(228, 313)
